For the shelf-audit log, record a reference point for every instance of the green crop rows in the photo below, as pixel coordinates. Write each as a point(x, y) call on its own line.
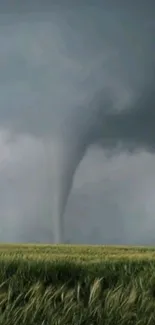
point(94, 285)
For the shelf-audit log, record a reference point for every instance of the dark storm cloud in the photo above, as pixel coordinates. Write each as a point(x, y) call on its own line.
point(56, 63)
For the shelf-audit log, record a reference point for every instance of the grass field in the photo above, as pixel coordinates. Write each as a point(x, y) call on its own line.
point(65, 285)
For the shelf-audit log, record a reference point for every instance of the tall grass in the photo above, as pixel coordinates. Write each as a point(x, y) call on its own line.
point(65, 285)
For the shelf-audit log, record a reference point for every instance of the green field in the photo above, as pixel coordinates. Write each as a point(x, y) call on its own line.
point(94, 285)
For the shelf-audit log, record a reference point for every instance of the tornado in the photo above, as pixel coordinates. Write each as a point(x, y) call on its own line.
point(68, 158)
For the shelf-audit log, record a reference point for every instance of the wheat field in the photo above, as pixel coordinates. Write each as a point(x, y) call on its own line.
point(68, 284)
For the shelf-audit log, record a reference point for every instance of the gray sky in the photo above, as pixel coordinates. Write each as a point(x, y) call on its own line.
point(52, 66)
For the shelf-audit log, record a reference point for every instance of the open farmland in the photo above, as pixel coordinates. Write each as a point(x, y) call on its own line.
point(77, 253)
point(50, 284)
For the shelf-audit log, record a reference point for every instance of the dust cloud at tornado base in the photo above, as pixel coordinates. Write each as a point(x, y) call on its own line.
point(85, 83)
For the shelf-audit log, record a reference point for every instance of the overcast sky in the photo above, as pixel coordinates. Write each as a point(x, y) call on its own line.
point(51, 63)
